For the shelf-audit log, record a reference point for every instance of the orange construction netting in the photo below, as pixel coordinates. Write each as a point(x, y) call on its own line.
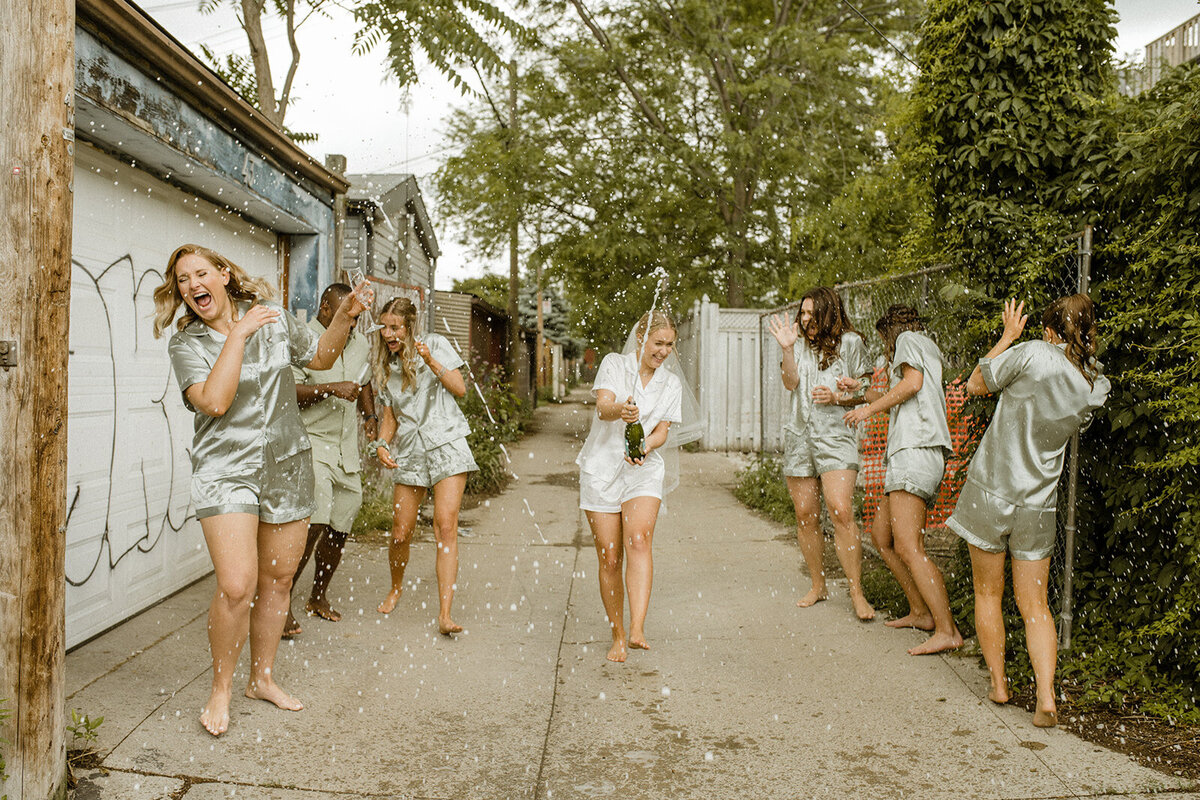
point(964, 432)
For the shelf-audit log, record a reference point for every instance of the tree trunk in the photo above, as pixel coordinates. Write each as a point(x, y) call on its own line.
point(37, 60)
point(252, 11)
point(735, 222)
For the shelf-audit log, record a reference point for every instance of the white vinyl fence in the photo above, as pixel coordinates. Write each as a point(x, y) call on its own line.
point(719, 349)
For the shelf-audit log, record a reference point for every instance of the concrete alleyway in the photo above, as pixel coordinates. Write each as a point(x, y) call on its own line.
point(742, 696)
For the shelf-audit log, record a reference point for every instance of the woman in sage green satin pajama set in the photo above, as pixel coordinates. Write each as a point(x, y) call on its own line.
point(252, 478)
point(820, 453)
point(1049, 389)
point(423, 441)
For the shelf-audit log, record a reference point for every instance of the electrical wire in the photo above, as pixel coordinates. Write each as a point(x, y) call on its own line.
point(893, 45)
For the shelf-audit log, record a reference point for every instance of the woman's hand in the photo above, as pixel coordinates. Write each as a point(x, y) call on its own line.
point(850, 386)
point(784, 332)
point(385, 457)
point(856, 415)
point(358, 300)
point(1014, 320)
point(423, 352)
point(823, 396)
point(252, 320)
point(647, 449)
point(629, 411)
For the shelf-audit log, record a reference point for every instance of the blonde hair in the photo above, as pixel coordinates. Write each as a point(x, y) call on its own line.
point(650, 322)
point(167, 298)
point(381, 359)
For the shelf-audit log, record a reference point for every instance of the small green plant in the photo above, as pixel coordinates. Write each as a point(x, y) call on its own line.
point(375, 513)
point(84, 735)
point(496, 418)
point(881, 589)
point(761, 486)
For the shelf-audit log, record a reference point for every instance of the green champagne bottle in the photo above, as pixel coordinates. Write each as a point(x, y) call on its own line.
point(635, 439)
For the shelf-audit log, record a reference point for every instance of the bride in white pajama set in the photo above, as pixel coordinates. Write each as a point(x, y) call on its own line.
point(620, 496)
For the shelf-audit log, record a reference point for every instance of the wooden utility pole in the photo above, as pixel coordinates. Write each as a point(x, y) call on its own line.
point(37, 133)
point(541, 330)
point(518, 367)
point(335, 162)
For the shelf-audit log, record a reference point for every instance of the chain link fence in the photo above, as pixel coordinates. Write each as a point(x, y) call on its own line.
point(934, 292)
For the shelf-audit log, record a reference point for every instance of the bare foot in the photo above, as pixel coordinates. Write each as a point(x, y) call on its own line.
point(291, 628)
point(323, 610)
point(937, 643)
point(1045, 719)
point(270, 691)
point(812, 598)
point(215, 714)
point(637, 641)
point(862, 609)
point(390, 601)
point(923, 622)
point(448, 626)
point(617, 652)
point(998, 693)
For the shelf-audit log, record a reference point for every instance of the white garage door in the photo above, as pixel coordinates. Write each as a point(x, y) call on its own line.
point(131, 536)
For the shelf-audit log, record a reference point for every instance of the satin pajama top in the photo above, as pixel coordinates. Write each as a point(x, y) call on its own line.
point(919, 421)
point(427, 407)
point(332, 423)
point(1044, 400)
point(661, 399)
point(823, 421)
point(264, 414)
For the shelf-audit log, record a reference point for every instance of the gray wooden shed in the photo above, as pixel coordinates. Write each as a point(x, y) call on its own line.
point(389, 237)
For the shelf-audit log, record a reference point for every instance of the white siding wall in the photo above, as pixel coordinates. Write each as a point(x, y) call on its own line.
point(128, 433)
point(354, 245)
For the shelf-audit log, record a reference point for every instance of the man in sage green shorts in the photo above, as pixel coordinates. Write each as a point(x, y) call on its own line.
point(331, 402)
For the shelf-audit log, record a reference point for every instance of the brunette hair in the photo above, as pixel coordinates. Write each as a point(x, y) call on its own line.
point(1073, 318)
point(832, 321)
point(167, 298)
point(407, 357)
point(895, 321)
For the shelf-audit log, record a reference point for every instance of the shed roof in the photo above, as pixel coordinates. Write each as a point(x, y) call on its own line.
point(134, 33)
point(395, 191)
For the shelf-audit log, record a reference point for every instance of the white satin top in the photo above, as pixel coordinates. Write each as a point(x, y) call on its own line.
point(661, 399)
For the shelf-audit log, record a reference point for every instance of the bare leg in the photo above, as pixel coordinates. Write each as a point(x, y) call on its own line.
point(406, 501)
point(638, 517)
point(315, 532)
point(987, 573)
point(918, 615)
point(610, 551)
point(232, 544)
point(805, 499)
point(447, 500)
point(328, 557)
point(279, 550)
point(838, 488)
point(1029, 588)
point(908, 527)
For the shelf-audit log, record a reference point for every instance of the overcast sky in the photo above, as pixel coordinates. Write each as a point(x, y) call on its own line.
point(359, 113)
